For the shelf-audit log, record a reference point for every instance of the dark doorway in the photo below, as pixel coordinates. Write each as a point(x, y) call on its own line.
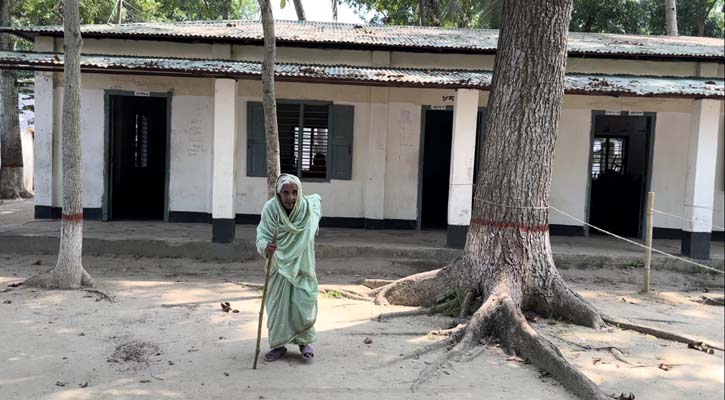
point(137, 157)
point(620, 160)
point(437, 136)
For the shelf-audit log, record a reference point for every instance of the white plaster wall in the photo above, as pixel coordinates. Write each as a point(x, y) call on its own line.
point(26, 141)
point(191, 129)
point(570, 177)
point(669, 167)
point(718, 216)
point(43, 142)
point(401, 177)
point(340, 198)
point(92, 148)
point(191, 153)
point(190, 144)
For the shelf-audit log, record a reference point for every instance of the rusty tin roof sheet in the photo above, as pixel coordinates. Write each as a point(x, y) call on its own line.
point(411, 38)
point(591, 84)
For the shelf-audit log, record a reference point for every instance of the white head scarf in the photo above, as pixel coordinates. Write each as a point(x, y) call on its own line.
point(285, 179)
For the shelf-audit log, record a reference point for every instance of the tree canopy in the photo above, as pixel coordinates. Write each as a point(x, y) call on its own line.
point(695, 17)
point(49, 12)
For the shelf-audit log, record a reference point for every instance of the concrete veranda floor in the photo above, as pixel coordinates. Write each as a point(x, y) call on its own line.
point(21, 233)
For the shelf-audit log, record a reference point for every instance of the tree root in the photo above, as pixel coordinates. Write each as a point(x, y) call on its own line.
point(422, 289)
point(618, 354)
point(418, 311)
point(662, 334)
point(447, 332)
point(104, 295)
point(453, 338)
point(376, 283)
point(519, 337)
point(466, 304)
point(348, 294)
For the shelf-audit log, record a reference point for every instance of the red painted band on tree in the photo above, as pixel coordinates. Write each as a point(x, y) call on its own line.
point(511, 225)
point(72, 217)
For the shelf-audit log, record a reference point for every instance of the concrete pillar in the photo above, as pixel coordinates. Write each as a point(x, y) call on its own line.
point(224, 153)
point(43, 144)
point(701, 169)
point(377, 150)
point(463, 155)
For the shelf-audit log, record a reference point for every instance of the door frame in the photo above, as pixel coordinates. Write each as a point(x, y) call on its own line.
point(647, 181)
point(421, 156)
point(107, 178)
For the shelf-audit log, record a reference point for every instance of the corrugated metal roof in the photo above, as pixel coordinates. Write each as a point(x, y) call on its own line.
point(593, 84)
point(414, 38)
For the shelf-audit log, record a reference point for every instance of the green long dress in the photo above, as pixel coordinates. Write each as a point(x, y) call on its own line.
point(292, 291)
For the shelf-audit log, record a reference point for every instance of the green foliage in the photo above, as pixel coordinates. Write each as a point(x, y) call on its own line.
point(611, 16)
point(50, 12)
point(333, 294)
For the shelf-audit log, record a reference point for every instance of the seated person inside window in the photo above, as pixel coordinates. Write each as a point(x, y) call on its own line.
point(319, 166)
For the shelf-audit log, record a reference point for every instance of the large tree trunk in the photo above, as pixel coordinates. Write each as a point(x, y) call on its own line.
point(269, 98)
point(11, 150)
point(671, 17)
point(507, 258)
point(300, 10)
point(68, 272)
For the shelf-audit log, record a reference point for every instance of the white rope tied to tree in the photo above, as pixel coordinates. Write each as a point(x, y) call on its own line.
point(684, 219)
point(664, 253)
point(707, 267)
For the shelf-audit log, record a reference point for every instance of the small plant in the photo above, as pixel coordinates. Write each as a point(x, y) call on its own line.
point(333, 294)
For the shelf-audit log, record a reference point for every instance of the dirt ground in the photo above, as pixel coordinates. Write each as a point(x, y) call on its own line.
point(165, 337)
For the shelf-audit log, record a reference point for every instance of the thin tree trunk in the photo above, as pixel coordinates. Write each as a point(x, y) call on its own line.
point(300, 10)
point(333, 5)
point(119, 12)
point(269, 98)
point(11, 150)
point(226, 8)
point(68, 272)
point(671, 17)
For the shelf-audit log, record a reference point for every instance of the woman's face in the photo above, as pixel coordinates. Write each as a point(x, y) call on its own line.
point(288, 195)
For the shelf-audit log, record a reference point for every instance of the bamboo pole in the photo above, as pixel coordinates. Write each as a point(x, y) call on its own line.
point(264, 298)
point(648, 251)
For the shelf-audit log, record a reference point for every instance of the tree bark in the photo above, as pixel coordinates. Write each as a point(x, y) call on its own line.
point(671, 17)
point(269, 98)
point(429, 12)
point(300, 10)
point(11, 150)
point(507, 258)
point(69, 272)
point(119, 12)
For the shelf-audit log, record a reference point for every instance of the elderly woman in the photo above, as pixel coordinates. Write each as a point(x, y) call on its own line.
point(292, 290)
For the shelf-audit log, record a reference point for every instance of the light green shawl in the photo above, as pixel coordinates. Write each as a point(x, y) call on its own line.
point(294, 258)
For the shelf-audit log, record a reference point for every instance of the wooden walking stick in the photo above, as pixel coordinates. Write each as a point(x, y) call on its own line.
point(264, 298)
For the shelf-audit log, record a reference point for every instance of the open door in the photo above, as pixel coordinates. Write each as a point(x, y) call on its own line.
point(137, 157)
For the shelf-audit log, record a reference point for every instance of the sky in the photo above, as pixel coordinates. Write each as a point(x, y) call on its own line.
point(316, 10)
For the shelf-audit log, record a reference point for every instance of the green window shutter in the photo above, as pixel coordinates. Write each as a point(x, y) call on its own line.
point(256, 140)
point(341, 143)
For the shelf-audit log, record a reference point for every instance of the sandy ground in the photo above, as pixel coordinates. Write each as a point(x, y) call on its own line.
point(165, 337)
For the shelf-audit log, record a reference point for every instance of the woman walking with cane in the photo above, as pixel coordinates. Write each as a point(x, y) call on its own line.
point(291, 299)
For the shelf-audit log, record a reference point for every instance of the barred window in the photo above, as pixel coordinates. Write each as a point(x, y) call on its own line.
point(303, 139)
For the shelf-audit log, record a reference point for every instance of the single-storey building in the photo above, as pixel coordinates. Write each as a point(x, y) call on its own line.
point(383, 121)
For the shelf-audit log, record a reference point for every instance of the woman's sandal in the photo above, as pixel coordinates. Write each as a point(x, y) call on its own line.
point(307, 352)
point(275, 354)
